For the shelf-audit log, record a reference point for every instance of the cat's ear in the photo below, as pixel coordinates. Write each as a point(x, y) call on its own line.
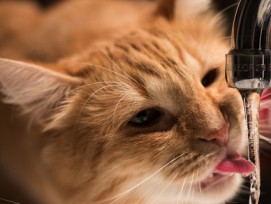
point(37, 90)
point(182, 9)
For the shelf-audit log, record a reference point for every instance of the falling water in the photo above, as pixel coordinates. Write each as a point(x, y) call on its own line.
point(251, 101)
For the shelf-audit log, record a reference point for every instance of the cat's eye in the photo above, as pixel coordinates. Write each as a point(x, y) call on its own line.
point(209, 78)
point(146, 117)
point(151, 120)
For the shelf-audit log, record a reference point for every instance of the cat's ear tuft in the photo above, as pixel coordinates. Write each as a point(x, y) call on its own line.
point(182, 9)
point(37, 90)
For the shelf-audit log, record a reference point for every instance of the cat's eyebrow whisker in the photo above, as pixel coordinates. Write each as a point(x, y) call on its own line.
point(110, 59)
point(214, 19)
point(83, 86)
point(9, 201)
point(115, 64)
point(85, 103)
point(95, 92)
point(119, 196)
point(127, 77)
point(98, 82)
point(112, 125)
point(117, 105)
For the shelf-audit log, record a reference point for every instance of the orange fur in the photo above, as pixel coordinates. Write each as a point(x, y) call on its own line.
point(125, 57)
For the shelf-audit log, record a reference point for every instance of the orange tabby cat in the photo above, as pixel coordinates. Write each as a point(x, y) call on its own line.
point(130, 98)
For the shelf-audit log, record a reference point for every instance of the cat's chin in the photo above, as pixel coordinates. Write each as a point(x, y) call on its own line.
point(219, 187)
point(214, 179)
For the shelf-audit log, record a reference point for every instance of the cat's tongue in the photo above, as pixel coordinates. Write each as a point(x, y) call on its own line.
point(236, 164)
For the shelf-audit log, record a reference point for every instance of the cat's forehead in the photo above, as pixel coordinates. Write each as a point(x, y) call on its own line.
point(157, 63)
point(144, 57)
point(184, 49)
point(143, 67)
point(198, 45)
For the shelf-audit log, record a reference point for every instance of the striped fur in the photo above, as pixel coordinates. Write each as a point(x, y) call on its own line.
point(128, 56)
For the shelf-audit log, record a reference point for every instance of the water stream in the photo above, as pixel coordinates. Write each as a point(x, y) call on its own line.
point(251, 100)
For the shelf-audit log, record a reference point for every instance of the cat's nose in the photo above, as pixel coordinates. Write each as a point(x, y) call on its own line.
point(219, 136)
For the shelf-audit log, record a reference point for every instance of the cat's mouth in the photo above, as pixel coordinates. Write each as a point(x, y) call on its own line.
point(230, 165)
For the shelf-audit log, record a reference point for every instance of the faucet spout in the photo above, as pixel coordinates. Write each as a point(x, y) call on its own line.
point(251, 25)
point(248, 64)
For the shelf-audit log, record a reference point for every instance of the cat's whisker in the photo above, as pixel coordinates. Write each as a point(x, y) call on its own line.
point(171, 180)
point(193, 193)
point(168, 184)
point(265, 103)
point(199, 185)
point(119, 196)
point(125, 198)
point(9, 201)
point(181, 191)
point(144, 195)
point(190, 188)
point(266, 139)
point(245, 187)
point(217, 16)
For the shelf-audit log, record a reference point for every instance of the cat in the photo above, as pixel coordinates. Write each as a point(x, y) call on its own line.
point(130, 99)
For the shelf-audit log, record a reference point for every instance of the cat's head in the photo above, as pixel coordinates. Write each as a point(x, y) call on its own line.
point(147, 115)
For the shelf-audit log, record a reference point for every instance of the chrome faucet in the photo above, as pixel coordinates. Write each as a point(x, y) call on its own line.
point(248, 68)
point(248, 62)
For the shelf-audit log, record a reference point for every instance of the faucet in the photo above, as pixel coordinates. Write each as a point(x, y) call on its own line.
point(248, 62)
point(248, 68)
